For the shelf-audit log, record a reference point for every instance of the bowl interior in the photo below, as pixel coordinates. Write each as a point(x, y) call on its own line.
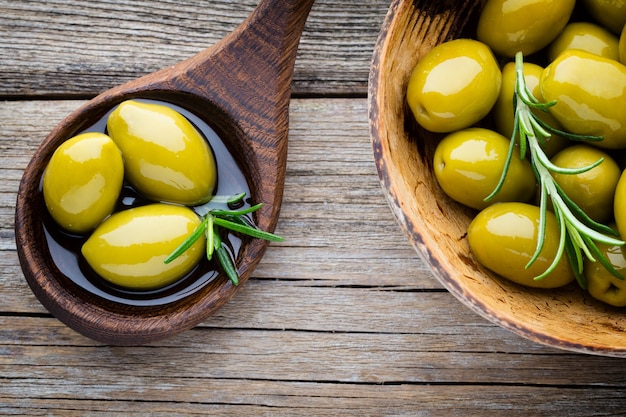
point(566, 318)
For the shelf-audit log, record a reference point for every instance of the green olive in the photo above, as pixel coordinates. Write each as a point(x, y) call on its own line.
point(509, 26)
point(468, 165)
point(504, 113)
point(602, 284)
point(588, 37)
point(129, 248)
point(503, 237)
point(454, 85)
point(590, 94)
point(619, 204)
point(82, 181)
point(591, 190)
point(609, 13)
point(165, 157)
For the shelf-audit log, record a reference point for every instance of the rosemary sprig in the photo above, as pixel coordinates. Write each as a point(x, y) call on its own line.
point(210, 226)
point(578, 232)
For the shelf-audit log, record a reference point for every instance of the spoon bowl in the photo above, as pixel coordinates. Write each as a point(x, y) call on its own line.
point(241, 87)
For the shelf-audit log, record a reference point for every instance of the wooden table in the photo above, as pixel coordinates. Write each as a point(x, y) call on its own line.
point(343, 318)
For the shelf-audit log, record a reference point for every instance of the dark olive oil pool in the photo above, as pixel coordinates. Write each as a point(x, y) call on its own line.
point(65, 248)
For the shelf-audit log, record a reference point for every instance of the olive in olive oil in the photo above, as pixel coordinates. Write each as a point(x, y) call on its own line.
point(65, 248)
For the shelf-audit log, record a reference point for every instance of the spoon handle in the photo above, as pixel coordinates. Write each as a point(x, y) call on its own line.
point(256, 59)
point(248, 71)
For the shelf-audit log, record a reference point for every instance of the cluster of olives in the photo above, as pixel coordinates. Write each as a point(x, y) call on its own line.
point(464, 89)
point(163, 156)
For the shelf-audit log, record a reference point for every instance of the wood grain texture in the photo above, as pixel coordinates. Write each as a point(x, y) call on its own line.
point(60, 48)
point(342, 318)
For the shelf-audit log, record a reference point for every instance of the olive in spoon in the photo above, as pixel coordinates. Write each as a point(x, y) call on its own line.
point(241, 87)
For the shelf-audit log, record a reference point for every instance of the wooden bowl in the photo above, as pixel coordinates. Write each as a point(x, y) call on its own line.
point(566, 318)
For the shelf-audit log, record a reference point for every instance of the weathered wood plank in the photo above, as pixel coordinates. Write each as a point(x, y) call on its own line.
point(292, 355)
point(80, 48)
point(223, 397)
point(342, 318)
point(298, 372)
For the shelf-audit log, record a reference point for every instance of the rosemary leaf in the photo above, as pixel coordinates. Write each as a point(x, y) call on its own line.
point(241, 212)
point(602, 259)
point(210, 237)
point(570, 136)
point(543, 210)
point(236, 199)
point(247, 230)
point(225, 259)
point(505, 169)
point(574, 258)
point(187, 243)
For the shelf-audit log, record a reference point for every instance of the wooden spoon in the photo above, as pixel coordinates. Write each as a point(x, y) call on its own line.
point(241, 87)
point(565, 318)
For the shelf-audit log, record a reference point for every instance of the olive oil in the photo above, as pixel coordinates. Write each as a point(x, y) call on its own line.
point(65, 247)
